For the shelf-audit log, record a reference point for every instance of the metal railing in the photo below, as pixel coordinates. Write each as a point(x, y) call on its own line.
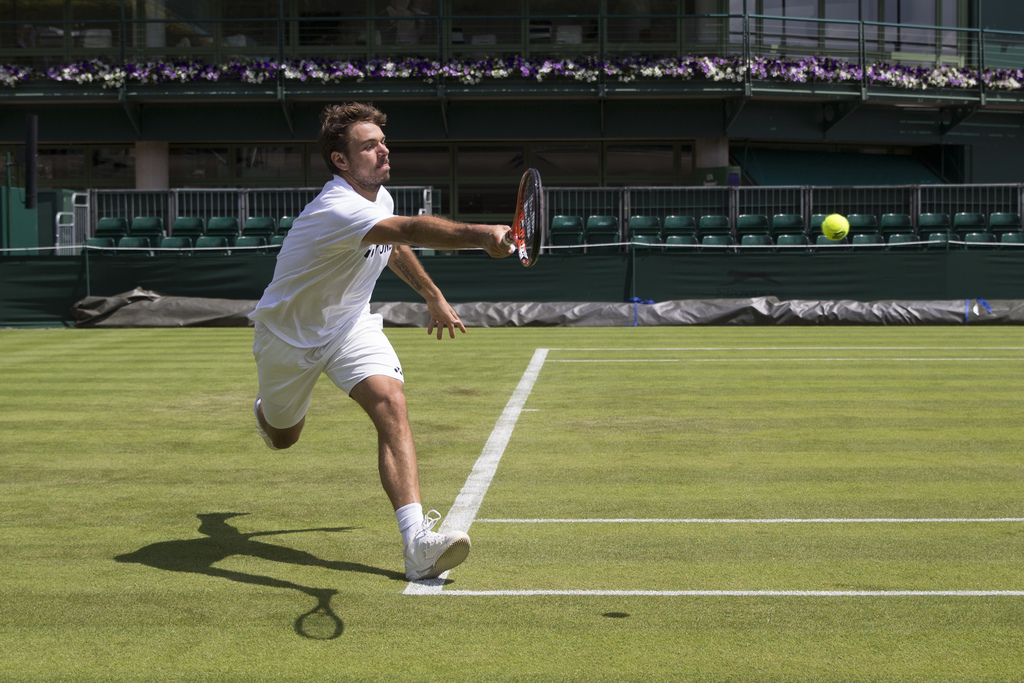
point(243, 203)
point(88, 207)
point(453, 36)
point(621, 203)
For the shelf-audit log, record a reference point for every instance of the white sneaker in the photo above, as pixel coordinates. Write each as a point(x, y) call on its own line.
point(431, 554)
point(259, 427)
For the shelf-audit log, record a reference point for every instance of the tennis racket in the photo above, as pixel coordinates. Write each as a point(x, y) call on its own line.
point(527, 225)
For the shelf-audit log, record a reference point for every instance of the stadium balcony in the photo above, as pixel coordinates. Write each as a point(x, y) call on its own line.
point(844, 63)
point(195, 95)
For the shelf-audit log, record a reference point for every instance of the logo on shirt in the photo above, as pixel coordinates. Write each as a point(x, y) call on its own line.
point(377, 249)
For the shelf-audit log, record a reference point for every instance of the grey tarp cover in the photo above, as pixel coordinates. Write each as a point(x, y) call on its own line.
point(142, 308)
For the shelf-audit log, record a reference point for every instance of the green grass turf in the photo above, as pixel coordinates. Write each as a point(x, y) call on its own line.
point(114, 441)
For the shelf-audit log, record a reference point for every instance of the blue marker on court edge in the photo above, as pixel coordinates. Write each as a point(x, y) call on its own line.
point(636, 307)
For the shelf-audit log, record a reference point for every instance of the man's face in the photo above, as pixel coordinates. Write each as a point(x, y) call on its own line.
point(365, 162)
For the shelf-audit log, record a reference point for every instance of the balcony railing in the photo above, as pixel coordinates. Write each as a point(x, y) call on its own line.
point(47, 44)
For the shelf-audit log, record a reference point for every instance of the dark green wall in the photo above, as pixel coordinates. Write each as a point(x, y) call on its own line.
point(42, 290)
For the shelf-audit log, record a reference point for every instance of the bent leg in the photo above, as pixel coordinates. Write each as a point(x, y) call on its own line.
point(383, 399)
point(287, 376)
point(282, 438)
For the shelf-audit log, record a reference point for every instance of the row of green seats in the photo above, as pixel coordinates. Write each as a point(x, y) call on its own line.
point(933, 230)
point(192, 228)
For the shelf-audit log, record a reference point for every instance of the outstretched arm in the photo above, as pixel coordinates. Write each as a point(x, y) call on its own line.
point(406, 266)
point(434, 232)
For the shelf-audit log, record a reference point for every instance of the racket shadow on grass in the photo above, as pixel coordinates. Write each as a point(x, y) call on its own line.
point(198, 555)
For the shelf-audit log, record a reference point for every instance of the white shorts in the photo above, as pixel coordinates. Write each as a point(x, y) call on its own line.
point(287, 374)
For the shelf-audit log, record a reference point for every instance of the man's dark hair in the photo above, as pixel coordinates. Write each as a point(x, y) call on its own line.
point(335, 122)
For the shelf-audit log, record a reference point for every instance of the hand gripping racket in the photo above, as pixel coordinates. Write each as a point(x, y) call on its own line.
point(527, 225)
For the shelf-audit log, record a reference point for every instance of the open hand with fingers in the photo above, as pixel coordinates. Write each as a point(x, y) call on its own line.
point(443, 316)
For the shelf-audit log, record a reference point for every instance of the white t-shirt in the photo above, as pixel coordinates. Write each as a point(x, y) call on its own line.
point(325, 275)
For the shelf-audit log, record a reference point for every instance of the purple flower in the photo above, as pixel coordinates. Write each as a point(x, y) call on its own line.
point(812, 69)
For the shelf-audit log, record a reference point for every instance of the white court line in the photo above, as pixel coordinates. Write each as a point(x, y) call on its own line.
point(745, 593)
point(818, 359)
point(790, 348)
point(823, 520)
point(464, 510)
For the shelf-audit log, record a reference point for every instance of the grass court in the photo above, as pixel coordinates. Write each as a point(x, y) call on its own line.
point(798, 504)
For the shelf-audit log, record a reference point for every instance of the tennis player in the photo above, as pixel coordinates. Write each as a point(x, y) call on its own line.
point(314, 317)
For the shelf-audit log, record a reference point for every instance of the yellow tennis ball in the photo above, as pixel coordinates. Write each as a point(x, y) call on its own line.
point(835, 227)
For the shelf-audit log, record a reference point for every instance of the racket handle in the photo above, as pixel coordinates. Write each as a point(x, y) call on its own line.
point(507, 239)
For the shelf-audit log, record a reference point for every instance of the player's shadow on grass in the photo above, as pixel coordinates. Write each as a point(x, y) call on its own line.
point(198, 556)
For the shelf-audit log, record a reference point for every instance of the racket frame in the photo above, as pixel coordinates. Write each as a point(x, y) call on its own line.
point(529, 249)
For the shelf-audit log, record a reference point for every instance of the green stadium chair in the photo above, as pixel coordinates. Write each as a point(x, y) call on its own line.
point(788, 224)
point(285, 224)
point(792, 240)
point(135, 246)
point(264, 226)
point(757, 240)
point(865, 239)
point(980, 240)
point(150, 227)
point(104, 245)
point(822, 241)
point(1001, 222)
point(937, 240)
point(713, 224)
point(212, 245)
point(967, 222)
point(1011, 238)
point(223, 226)
point(192, 227)
point(250, 244)
point(114, 228)
point(717, 243)
point(567, 231)
point(645, 230)
point(278, 240)
point(602, 230)
point(645, 225)
point(567, 224)
point(752, 224)
point(928, 222)
point(896, 224)
point(681, 241)
point(902, 241)
point(862, 224)
point(182, 244)
point(677, 225)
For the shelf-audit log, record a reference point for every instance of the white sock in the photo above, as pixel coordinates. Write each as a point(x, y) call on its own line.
point(409, 519)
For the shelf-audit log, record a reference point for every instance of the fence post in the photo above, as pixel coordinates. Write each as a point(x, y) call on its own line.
point(92, 208)
point(805, 202)
point(88, 280)
point(243, 207)
point(172, 207)
point(915, 204)
point(625, 211)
